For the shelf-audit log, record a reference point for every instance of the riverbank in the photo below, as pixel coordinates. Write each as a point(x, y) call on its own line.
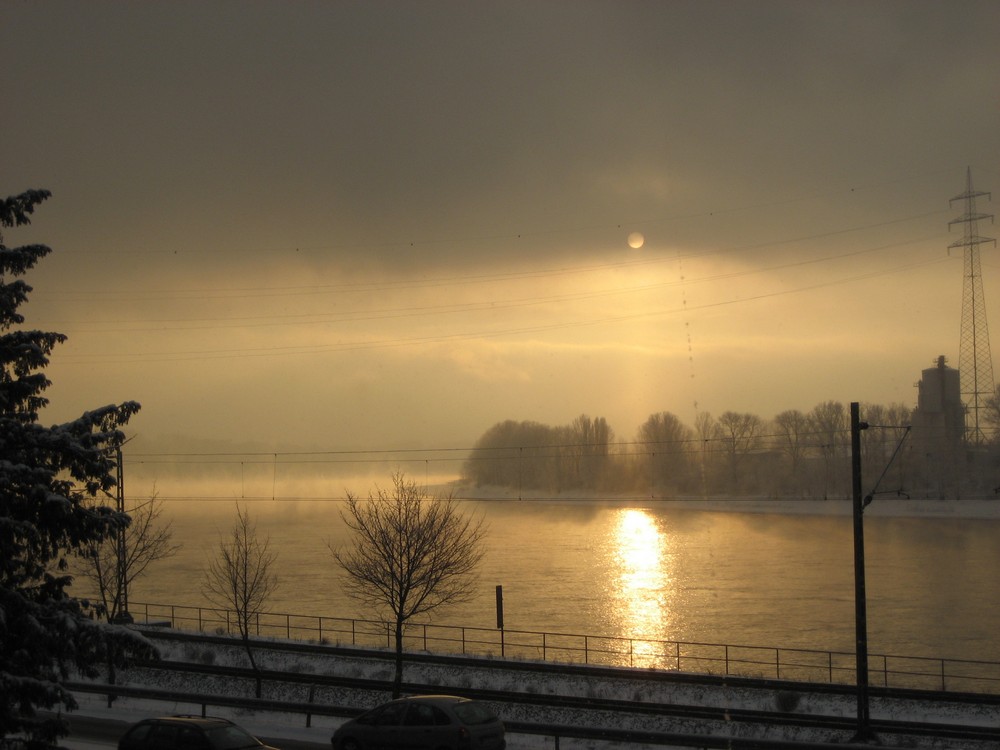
point(884, 506)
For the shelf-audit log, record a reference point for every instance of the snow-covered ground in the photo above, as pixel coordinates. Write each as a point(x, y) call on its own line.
point(284, 730)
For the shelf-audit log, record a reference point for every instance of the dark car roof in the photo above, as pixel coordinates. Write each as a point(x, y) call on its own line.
point(202, 721)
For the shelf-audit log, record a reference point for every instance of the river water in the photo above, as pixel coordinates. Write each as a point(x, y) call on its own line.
point(654, 570)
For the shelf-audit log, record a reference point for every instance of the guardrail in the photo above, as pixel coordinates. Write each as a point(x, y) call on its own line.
point(806, 665)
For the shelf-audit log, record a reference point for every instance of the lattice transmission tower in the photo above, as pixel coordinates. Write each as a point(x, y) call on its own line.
point(975, 363)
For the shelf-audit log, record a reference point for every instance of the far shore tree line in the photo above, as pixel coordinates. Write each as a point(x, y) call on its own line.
point(794, 454)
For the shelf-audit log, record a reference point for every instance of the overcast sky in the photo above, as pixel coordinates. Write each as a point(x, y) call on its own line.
point(394, 224)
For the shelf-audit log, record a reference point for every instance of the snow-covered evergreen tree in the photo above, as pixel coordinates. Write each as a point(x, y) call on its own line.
point(46, 635)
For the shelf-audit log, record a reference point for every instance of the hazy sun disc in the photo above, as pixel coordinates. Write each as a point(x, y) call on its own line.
point(636, 240)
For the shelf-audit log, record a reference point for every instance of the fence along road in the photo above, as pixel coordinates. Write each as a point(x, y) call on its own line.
point(837, 668)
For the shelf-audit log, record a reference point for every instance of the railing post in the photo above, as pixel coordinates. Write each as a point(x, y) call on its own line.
point(543, 646)
point(942, 676)
point(201, 628)
point(320, 629)
point(312, 693)
point(677, 651)
point(463, 641)
point(354, 637)
point(829, 656)
point(777, 664)
point(727, 658)
point(425, 636)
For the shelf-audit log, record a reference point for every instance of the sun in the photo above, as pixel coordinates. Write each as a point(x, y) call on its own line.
point(636, 240)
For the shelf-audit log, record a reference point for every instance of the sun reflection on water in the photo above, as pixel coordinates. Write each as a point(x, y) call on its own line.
point(644, 584)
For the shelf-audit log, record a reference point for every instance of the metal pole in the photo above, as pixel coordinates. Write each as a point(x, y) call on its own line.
point(864, 733)
point(122, 615)
point(500, 618)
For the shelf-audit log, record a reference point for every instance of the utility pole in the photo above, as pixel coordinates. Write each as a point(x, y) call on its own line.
point(864, 733)
point(121, 572)
point(500, 618)
point(975, 363)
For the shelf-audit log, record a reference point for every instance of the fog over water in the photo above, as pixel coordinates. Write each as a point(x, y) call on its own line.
point(655, 570)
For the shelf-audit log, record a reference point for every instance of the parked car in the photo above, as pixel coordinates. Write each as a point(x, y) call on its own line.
point(188, 733)
point(429, 722)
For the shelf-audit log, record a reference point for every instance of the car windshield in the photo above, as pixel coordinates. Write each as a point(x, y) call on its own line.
point(231, 738)
point(474, 713)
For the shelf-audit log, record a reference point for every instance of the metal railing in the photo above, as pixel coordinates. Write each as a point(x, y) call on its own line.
point(807, 665)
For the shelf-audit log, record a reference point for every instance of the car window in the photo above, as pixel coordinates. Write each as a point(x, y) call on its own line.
point(425, 715)
point(162, 737)
point(231, 738)
point(190, 738)
point(136, 735)
point(472, 712)
point(390, 715)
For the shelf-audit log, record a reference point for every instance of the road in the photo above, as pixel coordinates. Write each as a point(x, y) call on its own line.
point(97, 733)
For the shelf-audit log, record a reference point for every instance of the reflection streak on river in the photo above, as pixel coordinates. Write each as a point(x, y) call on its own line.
point(654, 570)
point(641, 592)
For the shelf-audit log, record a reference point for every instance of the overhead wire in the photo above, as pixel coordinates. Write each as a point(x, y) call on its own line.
point(217, 353)
point(257, 292)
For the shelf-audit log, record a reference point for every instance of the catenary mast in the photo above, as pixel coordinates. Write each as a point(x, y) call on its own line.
point(975, 363)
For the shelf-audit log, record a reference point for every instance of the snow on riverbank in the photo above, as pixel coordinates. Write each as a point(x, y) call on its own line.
point(986, 507)
point(881, 507)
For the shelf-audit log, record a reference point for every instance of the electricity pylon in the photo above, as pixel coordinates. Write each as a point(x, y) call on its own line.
point(975, 363)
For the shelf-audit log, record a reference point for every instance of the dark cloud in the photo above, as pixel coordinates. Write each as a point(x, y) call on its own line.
point(196, 145)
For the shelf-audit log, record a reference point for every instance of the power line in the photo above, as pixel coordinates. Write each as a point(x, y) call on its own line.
point(257, 293)
point(270, 351)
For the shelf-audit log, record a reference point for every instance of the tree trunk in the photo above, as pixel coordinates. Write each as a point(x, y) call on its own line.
point(397, 681)
point(253, 662)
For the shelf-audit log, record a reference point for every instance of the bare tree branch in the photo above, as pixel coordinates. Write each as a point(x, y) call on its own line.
point(147, 539)
point(241, 577)
point(411, 554)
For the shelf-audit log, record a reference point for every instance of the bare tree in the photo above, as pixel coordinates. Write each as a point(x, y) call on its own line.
point(830, 422)
point(113, 564)
point(668, 445)
point(707, 431)
point(740, 434)
point(991, 415)
point(242, 578)
point(411, 554)
point(791, 431)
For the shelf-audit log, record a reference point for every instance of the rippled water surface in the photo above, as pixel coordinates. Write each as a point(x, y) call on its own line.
point(655, 570)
